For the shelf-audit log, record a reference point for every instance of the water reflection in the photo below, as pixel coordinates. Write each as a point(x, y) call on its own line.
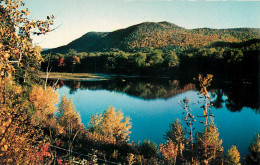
point(152, 105)
point(233, 94)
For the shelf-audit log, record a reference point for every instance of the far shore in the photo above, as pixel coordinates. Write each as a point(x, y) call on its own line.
point(74, 76)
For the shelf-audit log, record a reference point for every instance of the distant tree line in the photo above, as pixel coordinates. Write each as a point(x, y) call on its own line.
point(219, 58)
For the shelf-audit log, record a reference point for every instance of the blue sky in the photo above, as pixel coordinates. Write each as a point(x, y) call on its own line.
point(77, 17)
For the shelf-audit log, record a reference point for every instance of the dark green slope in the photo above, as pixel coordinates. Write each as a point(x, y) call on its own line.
point(155, 35)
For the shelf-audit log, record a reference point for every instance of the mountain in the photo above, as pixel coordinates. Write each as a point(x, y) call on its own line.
point(155, 35)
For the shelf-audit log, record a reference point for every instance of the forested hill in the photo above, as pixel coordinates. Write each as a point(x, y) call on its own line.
point(159, 35)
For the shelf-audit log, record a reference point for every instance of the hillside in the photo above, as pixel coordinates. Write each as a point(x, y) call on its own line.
point(155, 35)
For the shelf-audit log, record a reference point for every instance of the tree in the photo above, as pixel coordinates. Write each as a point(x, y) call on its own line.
point(155, 58)
point(20, 138)
point(43, 102)
point(139, 59)
point(112, 124)
point(169, 152)
point(189, 120)
point(254, 151)
point(16, 45)
point(207, 143)
point(176, 134)
point(208, 146)
point(171, 59)
point(233, 55)
point(148, 149)
point(232, 156)
point(69, 120)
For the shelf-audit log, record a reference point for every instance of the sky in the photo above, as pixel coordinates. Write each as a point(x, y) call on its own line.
point(74, 18)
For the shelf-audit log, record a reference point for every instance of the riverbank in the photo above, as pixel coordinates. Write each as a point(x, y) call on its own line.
point(74, 76)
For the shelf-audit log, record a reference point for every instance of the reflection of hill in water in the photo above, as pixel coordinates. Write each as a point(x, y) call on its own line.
point(237, 94)
point(142, 88)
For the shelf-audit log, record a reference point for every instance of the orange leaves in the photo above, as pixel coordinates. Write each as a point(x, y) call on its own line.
point(43, 100)
point(43, 103)
point(169, 151)
point(17, 135)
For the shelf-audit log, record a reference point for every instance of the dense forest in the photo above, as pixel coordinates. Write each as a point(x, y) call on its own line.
point(151, 35)
point(35, 131)
point(227, 59)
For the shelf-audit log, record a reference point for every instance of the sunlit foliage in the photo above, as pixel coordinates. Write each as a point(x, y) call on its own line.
point(156, 35)
point(18, 137)
point(208, 146)
point(232, 156)
point(169, 151)
point(176, 135)
point(16, 45)
point(69, 122)
point(43, 102)
point(68, 118)
point(112, 124)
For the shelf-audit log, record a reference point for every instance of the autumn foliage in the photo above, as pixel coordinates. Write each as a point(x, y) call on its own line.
point(112, 124)
point(34, 130)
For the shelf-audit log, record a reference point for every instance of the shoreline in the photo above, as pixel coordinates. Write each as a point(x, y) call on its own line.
point(74, 76)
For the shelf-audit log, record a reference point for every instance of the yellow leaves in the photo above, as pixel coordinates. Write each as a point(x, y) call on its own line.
point(43, 102)
point(18, 135)
point(169, 151)
point(232, 156)
point(112, 124)
point(4, 148)
point(68, 118)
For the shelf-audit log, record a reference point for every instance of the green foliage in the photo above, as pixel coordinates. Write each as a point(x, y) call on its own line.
point(225, 61)
point(233, 55)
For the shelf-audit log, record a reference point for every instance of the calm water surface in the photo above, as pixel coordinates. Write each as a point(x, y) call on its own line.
point(153, 104)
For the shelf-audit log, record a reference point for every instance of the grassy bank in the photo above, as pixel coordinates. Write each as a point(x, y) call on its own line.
point(73, 76)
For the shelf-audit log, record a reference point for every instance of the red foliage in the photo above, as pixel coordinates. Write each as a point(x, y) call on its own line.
point(61, 63)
